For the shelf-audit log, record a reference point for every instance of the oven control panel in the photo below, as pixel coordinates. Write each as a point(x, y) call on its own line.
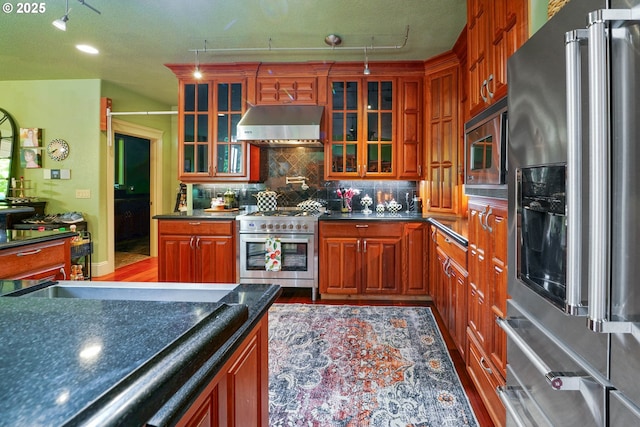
point(271, 225)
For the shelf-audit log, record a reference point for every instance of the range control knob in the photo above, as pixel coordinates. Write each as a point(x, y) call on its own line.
point(263, 226)
point(297, 226)
point(305, 227)
point(290, 226)
point(277, 226)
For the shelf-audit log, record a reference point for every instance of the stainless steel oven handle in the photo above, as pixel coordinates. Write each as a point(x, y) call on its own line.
point(503, 394)
point(573, 304)
point(566, 381)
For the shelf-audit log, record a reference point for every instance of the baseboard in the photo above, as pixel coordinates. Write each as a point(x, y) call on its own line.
point(100, 269)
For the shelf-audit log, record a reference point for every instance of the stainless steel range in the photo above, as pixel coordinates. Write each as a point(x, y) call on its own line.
point(295, 234)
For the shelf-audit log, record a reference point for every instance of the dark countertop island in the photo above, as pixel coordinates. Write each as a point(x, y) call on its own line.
point(17, 238)
point(114, 362)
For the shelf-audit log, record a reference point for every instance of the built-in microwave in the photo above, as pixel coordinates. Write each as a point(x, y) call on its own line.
point(485, 151)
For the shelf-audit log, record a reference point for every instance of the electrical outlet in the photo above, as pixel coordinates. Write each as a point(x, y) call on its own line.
point(83, 194)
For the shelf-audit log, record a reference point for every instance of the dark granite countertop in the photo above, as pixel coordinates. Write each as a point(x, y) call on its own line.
point(456, 227)
point(79, 361)
point(16, 238)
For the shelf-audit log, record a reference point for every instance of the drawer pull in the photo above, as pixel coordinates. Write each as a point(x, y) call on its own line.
point(362, 226)
point(37, 251)
point(194, 223)
point(483, 363)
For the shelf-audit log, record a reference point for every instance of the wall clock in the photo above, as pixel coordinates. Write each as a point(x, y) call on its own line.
point(58, 149)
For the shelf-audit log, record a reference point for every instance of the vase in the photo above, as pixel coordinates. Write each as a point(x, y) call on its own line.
point(345, 204)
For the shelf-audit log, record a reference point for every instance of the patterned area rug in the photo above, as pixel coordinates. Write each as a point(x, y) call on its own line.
point(361, 366)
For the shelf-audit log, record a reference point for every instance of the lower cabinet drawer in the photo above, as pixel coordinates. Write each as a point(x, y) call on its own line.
point(487, 380)
point(196, 227)
point(36, 260)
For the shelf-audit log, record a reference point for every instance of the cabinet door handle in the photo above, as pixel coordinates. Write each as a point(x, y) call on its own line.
point(486, 220)
point(419, 170)
point(489, 80)
point(365, 247)
point(191, 242)
point(482, 95)
point(36, 251)
point(484, 366)
point(64, 273)
point(198, 242)
point(358, 246)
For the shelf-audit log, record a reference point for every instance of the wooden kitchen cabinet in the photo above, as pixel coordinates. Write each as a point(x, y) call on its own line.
point(197, 251)
point(496, 28)
point(488, 298)
point(443, 160)
point(360, 258)
point(45, 260)
point(208, 112)
point(286, 90)
point(238, 395)
point(415, 265)
point(362, 129)
point(410, 135)
point(450, 287)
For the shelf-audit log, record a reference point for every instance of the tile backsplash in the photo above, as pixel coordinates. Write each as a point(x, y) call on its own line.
point(308, 163)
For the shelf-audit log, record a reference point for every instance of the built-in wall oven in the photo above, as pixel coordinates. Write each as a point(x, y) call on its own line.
point(296, 234)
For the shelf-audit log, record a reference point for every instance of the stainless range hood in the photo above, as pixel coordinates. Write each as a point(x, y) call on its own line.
point(281, 125)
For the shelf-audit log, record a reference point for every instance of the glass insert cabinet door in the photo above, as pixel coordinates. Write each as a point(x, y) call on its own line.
point(345, 128)
point(229, 152)
point(210, 112)
point(195, 128)
point(379, 139)
point(362, 128)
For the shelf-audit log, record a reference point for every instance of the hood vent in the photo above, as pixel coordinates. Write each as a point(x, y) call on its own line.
point(281, 125)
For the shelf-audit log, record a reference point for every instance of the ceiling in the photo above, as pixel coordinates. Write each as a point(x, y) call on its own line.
point(136, 38)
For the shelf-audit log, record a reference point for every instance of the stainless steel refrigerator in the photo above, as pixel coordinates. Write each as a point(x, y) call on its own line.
point(573, 320)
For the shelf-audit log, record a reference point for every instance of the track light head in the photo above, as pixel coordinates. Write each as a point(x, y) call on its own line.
point(61, 23)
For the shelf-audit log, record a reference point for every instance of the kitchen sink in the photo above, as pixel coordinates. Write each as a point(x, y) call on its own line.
point(133, 291)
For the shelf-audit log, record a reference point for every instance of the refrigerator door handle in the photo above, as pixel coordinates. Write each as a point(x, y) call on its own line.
point(573, 304)
point(599, 273)
point(558, 380)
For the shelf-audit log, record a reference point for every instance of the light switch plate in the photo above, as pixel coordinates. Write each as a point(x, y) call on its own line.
point(83, 194)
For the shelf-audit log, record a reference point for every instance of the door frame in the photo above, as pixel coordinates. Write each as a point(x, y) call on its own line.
point(155, 185)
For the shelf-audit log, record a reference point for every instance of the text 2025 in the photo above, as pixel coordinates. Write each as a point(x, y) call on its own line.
point(31, 7)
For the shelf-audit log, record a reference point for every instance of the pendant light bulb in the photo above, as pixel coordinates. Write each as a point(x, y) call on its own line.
point(366, 71)
point(197, 73)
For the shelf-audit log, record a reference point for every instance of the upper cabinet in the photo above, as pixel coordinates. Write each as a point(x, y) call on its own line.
point(286, 90)
point(361, 129)
point(375, 128)
point(208, 115)
point(444, 159)
point(496, 28)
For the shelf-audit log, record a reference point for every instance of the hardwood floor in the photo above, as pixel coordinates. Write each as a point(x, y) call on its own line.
point(147, 271)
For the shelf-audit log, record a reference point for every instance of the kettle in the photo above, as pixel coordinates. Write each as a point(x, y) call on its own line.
point(266, 200)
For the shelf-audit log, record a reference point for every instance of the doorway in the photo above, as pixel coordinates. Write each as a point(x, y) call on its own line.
point(131, 195)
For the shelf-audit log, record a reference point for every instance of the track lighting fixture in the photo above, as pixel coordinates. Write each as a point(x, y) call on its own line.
point(366, 71)
point(61, 23)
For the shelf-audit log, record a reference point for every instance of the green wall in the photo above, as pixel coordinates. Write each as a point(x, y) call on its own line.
point(70, 109)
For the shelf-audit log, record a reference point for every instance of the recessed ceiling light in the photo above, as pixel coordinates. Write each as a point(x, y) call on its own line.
point(87, 49)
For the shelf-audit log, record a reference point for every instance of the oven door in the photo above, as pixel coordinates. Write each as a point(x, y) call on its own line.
point(297, 257)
